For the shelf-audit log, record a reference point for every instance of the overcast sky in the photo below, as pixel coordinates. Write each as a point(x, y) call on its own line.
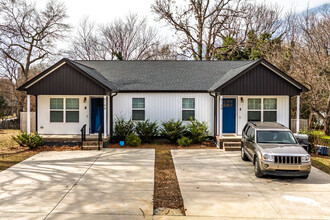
point(103, 11)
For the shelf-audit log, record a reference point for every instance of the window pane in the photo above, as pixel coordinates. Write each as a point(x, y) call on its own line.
point(270, 116)
point(72, 116)
point(72, 103)
point(270, 103)
point(254, 103)
point(188, 103)
point(56, 103)
point(138, 115)
point(254, 116)
point(186, 114)
point(138, 103)
point(56, 116)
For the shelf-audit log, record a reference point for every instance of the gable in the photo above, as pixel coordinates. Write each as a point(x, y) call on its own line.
point(259, 80)
point(65, 80)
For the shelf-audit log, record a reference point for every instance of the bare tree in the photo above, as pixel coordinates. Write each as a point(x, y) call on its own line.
point(86, 44)
point(198, 23)
point(27, 35)
point(130, 38)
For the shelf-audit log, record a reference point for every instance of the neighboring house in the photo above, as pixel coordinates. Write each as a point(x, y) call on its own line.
point(225, 94)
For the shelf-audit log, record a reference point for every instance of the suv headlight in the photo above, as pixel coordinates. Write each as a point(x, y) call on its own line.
point(306, 159)
point(267, 157)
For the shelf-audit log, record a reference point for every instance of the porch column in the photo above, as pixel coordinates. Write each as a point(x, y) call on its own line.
point(221, 107)
point(105, 116)
point(298, 114)
point(108, 122)
point(28, 129)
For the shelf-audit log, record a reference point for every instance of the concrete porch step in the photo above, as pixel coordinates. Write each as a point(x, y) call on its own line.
point(91, 147)
point(232, 146)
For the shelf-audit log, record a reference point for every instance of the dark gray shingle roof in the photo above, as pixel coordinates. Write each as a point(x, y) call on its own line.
point(164, 75)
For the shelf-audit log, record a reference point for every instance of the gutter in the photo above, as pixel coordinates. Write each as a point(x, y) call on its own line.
point(111, 114)
point(215, 114)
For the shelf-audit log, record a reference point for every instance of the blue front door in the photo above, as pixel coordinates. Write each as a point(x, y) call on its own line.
point(229, 116)
point(97, 114)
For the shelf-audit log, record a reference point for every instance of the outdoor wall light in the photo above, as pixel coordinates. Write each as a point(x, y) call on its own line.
point(85, 99)
point(242, 100)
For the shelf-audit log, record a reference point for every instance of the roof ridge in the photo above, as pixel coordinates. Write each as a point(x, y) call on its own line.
point(74, 61)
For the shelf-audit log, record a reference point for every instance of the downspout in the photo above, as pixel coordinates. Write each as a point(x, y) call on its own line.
point(111, 114)
point(215, 114)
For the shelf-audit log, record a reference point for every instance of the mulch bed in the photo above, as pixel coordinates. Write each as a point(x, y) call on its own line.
point(167, 192)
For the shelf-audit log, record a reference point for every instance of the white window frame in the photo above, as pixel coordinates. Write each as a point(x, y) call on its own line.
point(57, 110)
point(64, 109)
point(72, 110)
point(141, 109)
point(183, 109)
point(261, 110)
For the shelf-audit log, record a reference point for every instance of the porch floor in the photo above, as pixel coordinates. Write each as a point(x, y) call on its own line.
point(229, 137)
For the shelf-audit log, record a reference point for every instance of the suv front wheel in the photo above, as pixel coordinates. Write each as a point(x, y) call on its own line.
point(243, 155)
point(257, 170)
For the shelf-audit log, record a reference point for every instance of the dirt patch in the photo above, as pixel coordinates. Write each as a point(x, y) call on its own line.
point(167, 194)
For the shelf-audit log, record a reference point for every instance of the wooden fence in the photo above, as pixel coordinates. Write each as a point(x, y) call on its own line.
point(23, 121)
point(303, 124)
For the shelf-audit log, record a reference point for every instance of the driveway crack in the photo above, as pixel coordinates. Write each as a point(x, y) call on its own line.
point(73, 185)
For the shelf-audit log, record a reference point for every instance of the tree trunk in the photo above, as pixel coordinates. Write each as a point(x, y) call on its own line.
point(327, 125)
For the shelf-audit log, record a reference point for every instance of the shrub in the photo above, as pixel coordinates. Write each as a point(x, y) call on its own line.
point(198, 130)
point(146, 130)
point(133, 140)
point(184, 141)
point(123, 128)
point(172, 130)
point(32, 141)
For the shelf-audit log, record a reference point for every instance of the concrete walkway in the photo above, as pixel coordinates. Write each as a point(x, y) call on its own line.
point(217, 184)
point(109, 184)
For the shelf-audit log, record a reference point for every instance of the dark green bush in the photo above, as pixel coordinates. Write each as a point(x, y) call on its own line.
point(199, 131)
point(146, 130)
point(184, 141)
point(133, 140)
point(172, 130)
point(122, 128)
point(32, 141)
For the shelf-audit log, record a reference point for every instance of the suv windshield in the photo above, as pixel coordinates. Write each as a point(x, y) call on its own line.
point(275, 137)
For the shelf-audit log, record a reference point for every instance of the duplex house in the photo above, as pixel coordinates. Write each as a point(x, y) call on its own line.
point(225, 94)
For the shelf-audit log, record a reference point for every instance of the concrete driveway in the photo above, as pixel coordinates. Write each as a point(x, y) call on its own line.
point(109, 184)
point(217, 184)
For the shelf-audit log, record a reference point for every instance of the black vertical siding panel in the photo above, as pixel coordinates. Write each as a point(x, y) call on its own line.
point(260, 81)
point(66, 81)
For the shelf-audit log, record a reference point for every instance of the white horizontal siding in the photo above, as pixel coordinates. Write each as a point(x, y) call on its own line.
point(165, 106)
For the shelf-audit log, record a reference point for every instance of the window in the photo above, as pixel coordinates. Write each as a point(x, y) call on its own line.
point(138, 109)
point(72, 110)
point(270, 109)
point(254, 109)
point(188, 108)
point(262, 109)
point(56, 109)
point(251, 133)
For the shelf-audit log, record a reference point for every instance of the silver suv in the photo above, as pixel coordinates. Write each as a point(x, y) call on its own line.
point(274, 150)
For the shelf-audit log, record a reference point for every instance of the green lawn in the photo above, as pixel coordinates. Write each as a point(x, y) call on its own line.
point(322, 163)
point(10, 152)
